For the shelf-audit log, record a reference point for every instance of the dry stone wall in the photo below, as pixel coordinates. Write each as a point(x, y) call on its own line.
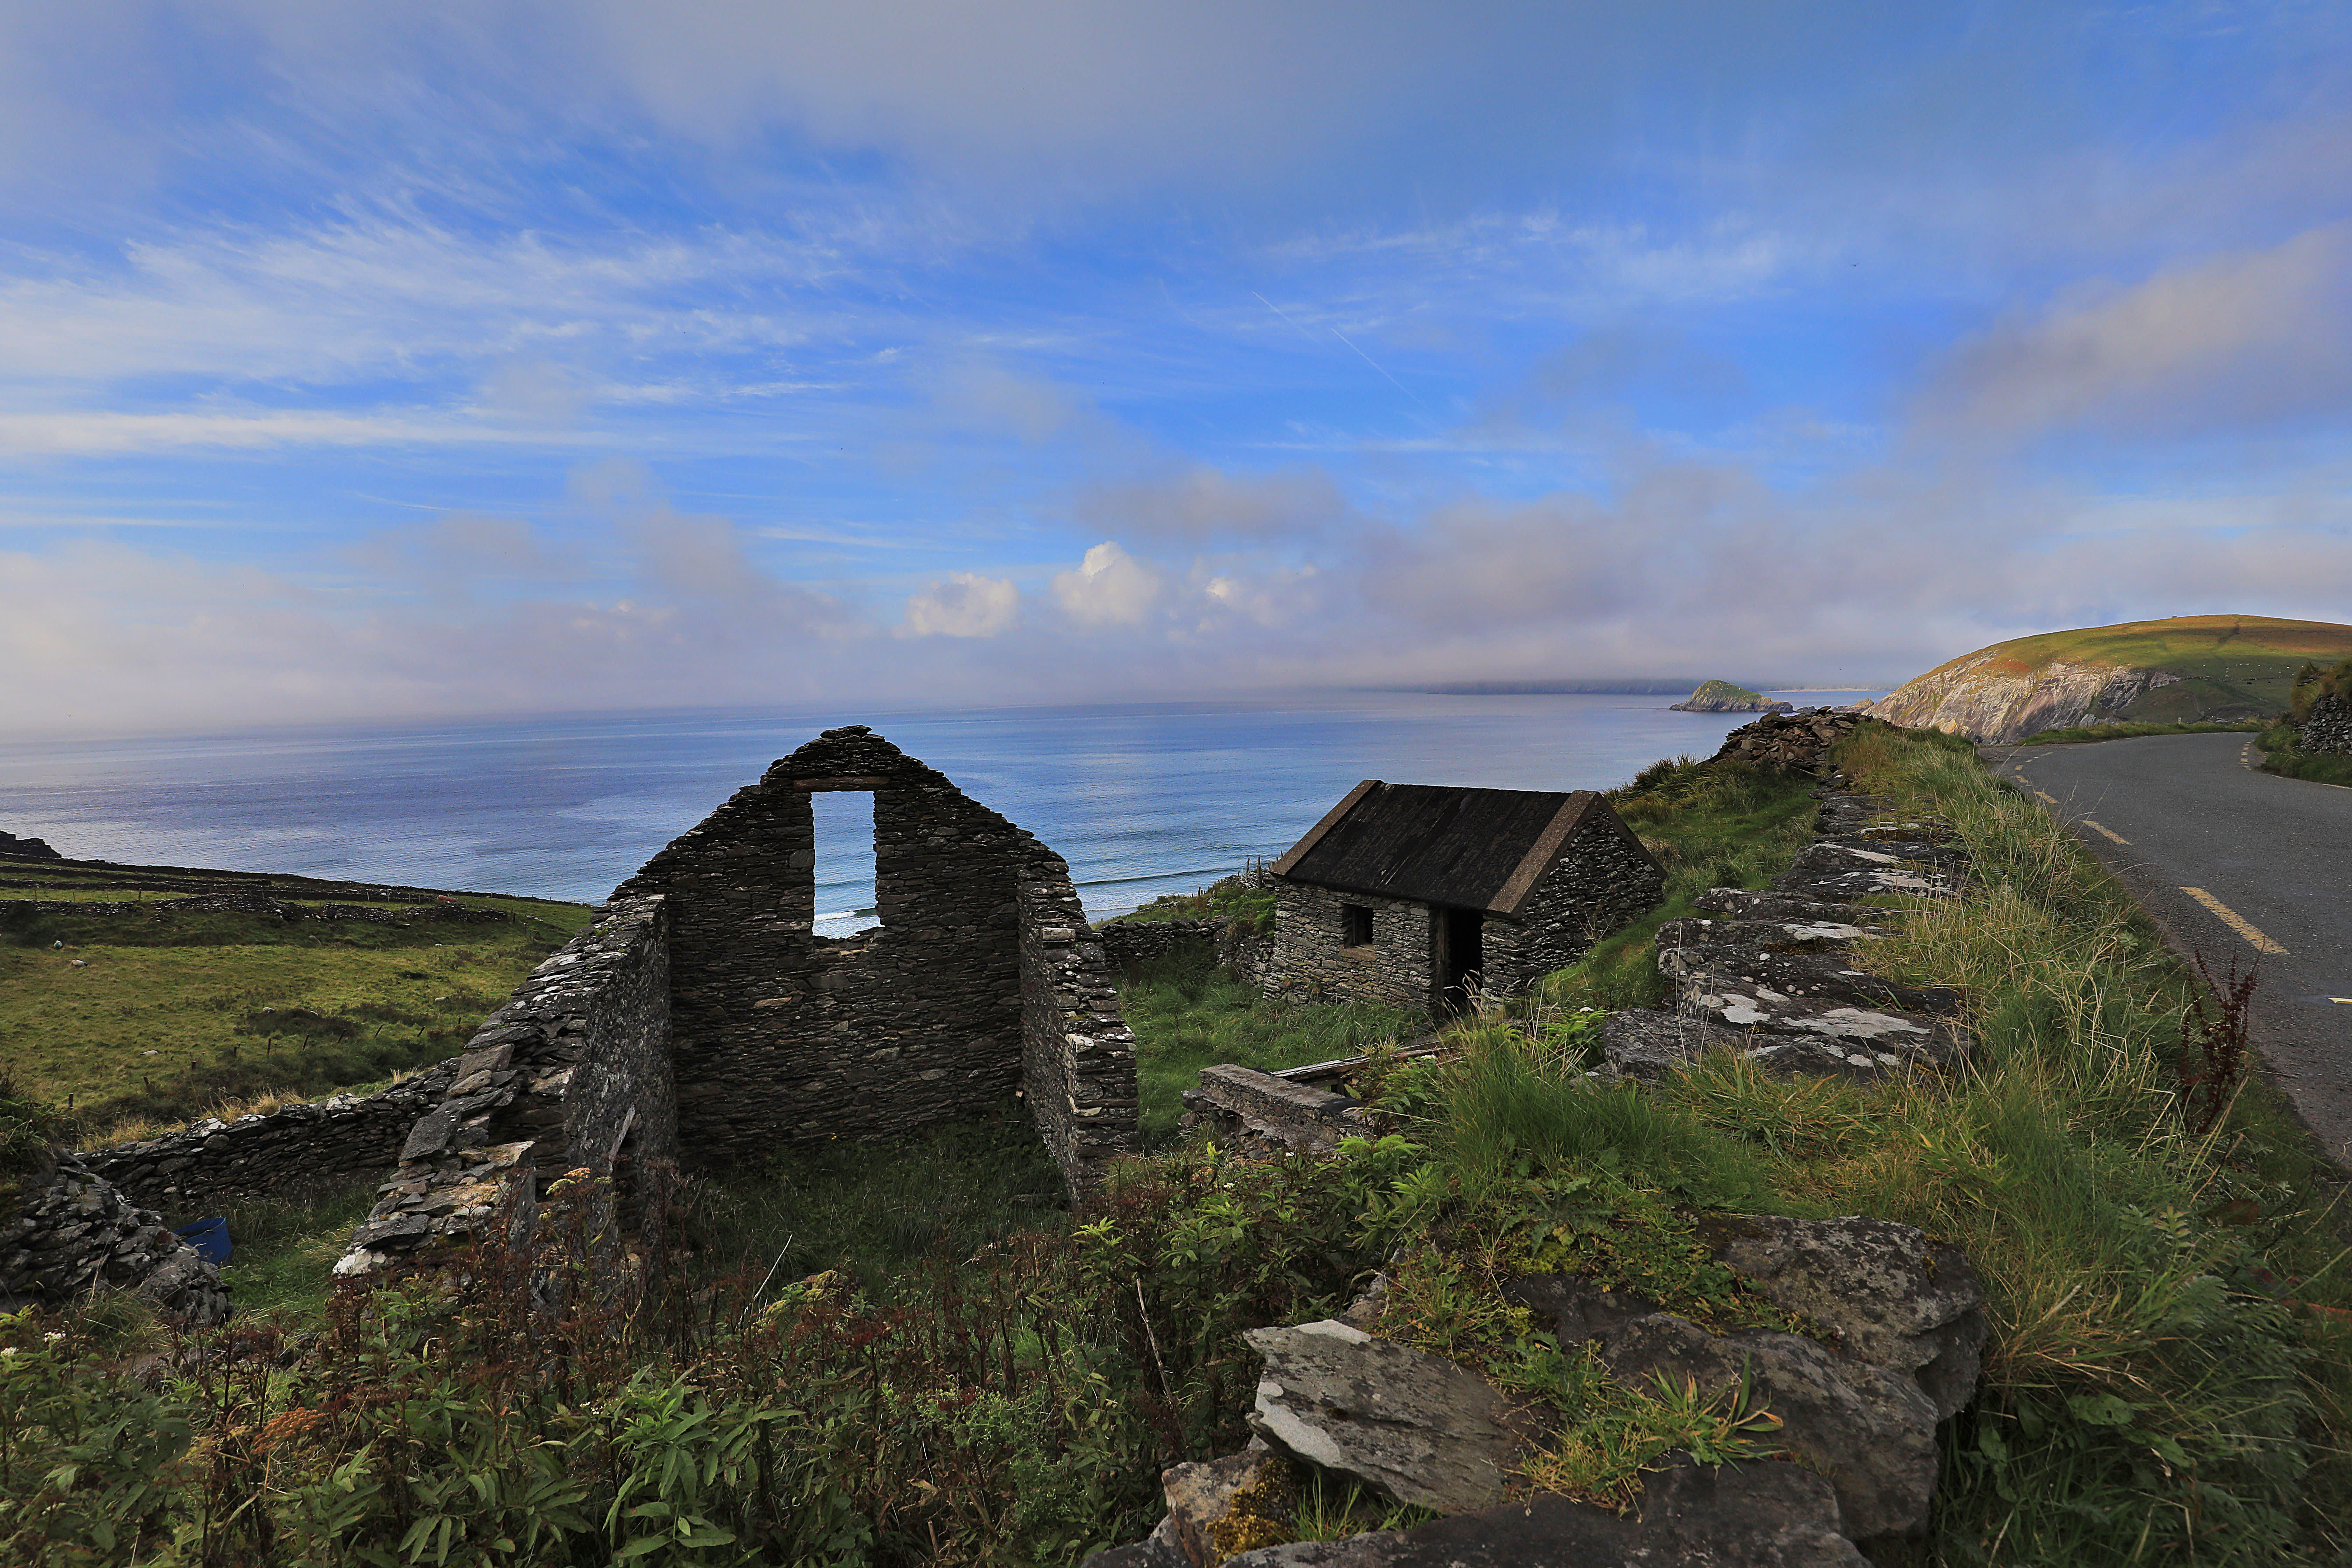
point(781, 1036)
point(2327, 727)
point(310, 1148)
point(571, 1073)
point(1077, 1060)
point(1129, 942)
point(73, 1233)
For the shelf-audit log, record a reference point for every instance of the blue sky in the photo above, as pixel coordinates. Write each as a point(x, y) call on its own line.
point(359, 360)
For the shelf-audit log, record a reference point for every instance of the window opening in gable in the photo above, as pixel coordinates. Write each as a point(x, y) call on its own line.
point(845, 862)
point(1355, 925)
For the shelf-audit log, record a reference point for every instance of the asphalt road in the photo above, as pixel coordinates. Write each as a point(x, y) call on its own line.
point(2177, 816)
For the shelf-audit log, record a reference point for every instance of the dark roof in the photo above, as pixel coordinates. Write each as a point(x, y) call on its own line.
point(1435, 844)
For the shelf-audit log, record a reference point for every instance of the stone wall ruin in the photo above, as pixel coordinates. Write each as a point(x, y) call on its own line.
point(702, 1019)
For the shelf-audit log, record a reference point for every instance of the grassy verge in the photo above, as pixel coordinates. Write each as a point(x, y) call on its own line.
point(1188, 1013)
point(2074, 733)
point(2280, 756)
point(1228, 896)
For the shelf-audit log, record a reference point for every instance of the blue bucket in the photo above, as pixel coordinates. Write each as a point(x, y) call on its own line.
point(209, 1237)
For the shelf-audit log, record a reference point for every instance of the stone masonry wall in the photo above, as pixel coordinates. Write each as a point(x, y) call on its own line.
point(573, 1072)
point(1077, 1063)
point(74, 1232)
point(311, 1148)
point(2327, 727)
point(1128, 942)
point(780, 1036)
point(1309, 956)
point(1602, 879)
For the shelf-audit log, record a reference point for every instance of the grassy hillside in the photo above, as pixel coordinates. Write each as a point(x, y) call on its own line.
point(2233, 664)
point(156, 1016)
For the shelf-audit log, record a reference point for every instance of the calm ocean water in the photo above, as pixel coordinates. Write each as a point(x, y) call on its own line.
point(1141, 799)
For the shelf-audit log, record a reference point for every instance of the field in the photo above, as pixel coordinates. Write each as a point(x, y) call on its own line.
point(154, 1019)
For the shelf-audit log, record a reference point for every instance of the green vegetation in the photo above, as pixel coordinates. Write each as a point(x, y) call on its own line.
point(2231, 667)
point(1251, 908)
point(1708, 825)
point(2284, 756)
point(2168, 1380)
point(1188, 1013)
point(283, 1249)
point(130, 1018)
point(1723, 696)
point(2077, 734)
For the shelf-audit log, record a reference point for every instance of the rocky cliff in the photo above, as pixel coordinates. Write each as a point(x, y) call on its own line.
point(1987, 698)
point(2188, 669)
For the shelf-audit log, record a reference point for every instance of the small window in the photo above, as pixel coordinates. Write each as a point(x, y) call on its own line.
point(1355, 925)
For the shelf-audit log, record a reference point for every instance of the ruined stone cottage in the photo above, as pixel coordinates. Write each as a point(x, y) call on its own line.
point(1429, 895)
point(702, 1021)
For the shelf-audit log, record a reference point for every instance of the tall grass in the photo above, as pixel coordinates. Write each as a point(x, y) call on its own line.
point(2154, 1389)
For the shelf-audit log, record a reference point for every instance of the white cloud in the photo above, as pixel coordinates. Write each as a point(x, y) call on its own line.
point(2233, 341)
point(963, 605)
point(1110, 588)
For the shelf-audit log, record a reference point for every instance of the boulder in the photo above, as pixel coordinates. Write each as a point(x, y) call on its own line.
point(1870, 1429)
point(1414, 1426)
point(1882, 1292)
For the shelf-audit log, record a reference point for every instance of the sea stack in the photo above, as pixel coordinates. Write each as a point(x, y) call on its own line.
point(1722, 697)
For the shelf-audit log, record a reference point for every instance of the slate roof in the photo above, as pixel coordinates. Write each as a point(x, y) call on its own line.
point(1437, 844)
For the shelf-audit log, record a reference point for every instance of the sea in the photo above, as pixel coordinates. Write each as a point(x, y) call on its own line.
point(1142, 799)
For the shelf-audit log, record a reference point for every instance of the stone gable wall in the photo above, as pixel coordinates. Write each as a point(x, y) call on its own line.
point(1601, 880)
point(1309, 960)
point(311, 1148)
point(780, 1036)
point(573, 1072)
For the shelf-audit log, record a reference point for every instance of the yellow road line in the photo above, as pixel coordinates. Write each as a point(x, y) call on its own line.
point(2046, 799)
point(2235, 920)
point(2108, 832)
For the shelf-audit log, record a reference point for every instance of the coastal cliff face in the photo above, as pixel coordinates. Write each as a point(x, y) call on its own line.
point(1993, 700)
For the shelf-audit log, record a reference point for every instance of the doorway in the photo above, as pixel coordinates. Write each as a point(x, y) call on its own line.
point(1456, 942)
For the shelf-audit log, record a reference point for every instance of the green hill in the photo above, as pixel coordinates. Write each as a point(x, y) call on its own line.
point(2182, 670)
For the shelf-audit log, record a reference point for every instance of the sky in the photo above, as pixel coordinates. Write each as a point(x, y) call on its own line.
point(363, 361)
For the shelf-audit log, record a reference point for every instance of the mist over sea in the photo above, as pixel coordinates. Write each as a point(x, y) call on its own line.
point(1142, 799)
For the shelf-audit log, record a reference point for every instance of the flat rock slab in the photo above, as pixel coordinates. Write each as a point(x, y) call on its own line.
point(1770, 936)
point(1645, 1044)
point(1869, 1040)
point(1857, 853)
point(1903, 880)
point(1414, 1426)
point(1741, 904)
point(1869, 1428)
point(1758, 1516)
point(1826, 977)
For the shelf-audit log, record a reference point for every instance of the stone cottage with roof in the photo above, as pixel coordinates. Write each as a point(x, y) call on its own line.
point(1429, 896)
